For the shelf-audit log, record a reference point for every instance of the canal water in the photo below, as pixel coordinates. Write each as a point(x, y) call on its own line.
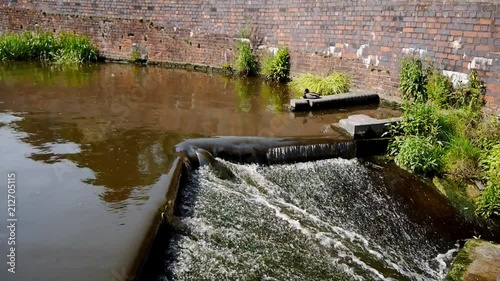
point(91, 147)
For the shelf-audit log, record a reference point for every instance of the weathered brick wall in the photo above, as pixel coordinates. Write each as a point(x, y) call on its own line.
point(364, 37)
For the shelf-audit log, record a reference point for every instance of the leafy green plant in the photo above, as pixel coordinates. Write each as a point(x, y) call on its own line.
point(277, 67)
point(420, 119)
point(420, 155)
point(333, 84)
point(245, 63)
point(412, 79)
point(461, 159)
point(134, 54)
point(440, 90)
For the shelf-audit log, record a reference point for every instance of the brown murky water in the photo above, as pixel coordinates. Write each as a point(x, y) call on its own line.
point(91, 147)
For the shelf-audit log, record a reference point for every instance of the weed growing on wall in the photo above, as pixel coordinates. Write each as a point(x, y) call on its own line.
point(245, 62)
point(39, 45)
point(276, 67)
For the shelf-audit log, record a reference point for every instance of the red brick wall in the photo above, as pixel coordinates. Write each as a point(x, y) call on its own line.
point(363, 37)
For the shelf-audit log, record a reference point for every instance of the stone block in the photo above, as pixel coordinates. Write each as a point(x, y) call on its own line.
point(362, 126)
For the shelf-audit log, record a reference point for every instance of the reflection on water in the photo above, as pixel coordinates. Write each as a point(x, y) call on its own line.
point(93, 143)
point(124, 120)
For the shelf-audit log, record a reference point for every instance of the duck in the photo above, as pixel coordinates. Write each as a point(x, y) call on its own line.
point(309, 95)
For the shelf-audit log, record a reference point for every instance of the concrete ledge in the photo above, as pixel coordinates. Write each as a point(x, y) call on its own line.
point(362, 126)
point(334, 101)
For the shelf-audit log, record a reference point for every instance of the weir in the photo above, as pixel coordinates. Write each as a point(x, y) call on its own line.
point(270, 151)
point(299, 209)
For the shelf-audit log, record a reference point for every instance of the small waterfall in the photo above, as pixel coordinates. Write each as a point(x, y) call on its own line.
point(332, 219)
point(310, 152)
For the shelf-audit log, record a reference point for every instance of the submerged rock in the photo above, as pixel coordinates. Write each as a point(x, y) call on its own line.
point(479, 260)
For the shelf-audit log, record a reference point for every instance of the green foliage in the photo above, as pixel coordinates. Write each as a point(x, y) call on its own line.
point(450, 136)
point(440, 90)
point(412, 79)
point(420, 155)
point(488, 203)
point(492, 165)
point(486, 133)
point(227, 67)
point(471, 96)
point(134, 54)
point(333, 84)
point(462, 159)
point(277, 67)
point(453, 123)
point(45, 46)
point(420, 119)
point(245, 62)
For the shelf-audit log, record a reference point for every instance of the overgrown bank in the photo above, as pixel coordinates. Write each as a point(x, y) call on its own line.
point(445, 134)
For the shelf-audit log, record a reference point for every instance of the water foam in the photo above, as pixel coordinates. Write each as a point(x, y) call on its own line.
point(279, 219)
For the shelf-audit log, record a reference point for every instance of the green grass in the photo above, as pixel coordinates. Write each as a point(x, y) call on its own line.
point(330, 85)
point(45, 46)
point(461, 159)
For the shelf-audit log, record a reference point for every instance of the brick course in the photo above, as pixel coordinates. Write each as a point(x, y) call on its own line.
point(365, 38)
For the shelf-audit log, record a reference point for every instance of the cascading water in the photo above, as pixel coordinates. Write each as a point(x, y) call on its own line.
point(326, 220)
point(308, 152)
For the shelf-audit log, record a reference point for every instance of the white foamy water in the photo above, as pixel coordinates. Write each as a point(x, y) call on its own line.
point(324, 220)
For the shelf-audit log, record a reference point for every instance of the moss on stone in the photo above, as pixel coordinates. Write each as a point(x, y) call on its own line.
point(462, 261)
point(458, 197)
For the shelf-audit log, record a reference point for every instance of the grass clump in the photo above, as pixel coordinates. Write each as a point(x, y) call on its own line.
point(245, 62)
point(330, 85)
point(462, 159)
point(40, 45)
point(277, 67)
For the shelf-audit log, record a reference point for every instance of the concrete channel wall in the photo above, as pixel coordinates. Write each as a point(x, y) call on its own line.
point(364, 38)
